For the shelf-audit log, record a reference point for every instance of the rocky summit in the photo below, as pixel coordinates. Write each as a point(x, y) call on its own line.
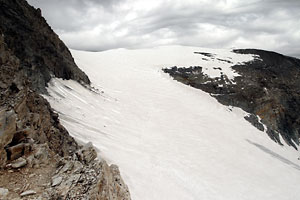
point(267, 87)
point(38, 157)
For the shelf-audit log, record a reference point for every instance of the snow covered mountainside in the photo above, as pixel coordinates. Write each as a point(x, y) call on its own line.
point(172, 141)
point(268, 88)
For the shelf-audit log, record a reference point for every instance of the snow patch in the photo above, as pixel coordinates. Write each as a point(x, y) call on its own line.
point(172, 141)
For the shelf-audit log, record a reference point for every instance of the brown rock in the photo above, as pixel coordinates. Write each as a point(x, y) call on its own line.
point(16, 151)
point(7, 131)
point(110, 185)
point(22, 109)
point(3, 158)
point(87, 153)
point(20, 136)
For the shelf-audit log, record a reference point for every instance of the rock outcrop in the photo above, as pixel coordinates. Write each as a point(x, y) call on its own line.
point(38, 157)
point(43, 174)
point(25, 115)
point(268, 87)
point(41, 53)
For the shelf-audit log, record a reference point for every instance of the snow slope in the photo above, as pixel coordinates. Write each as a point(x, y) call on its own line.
point(172, 141)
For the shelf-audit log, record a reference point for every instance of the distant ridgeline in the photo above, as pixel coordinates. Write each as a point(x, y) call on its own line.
point(268, 87)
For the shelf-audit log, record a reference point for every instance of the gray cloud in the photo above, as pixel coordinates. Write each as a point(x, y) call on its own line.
point(104, 24)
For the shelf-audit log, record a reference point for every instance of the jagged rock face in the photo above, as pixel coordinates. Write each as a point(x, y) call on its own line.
point(110, 186)
point(32, 140)
point(25, 114)
point(7, 130)
point(44, 175)
point(268, 87)
point(32, 41)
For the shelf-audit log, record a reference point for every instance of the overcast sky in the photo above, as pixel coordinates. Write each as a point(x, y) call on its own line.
point(97, 25)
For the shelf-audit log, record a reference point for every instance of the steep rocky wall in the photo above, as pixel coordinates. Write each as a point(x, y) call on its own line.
point(38, 157)
point(40, 51)
point(275, 80)
point(269, 87)
point(27, 112)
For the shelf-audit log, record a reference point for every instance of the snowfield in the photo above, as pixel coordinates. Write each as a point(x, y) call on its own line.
point(172, 141)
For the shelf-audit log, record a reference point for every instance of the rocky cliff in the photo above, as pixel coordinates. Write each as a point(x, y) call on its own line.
point(38, 157)
point(41, 53)
point(268, 88)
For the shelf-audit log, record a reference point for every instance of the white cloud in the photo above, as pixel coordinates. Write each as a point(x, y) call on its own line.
point(100, 25)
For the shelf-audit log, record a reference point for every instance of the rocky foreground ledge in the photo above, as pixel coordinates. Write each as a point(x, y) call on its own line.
point(38, 157)
point(42, 174)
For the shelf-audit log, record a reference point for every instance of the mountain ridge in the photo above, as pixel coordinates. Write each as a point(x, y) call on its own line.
point(267, 87)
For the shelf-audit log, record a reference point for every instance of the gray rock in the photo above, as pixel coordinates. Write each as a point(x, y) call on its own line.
point(30, 160)
point(3, 193)
point(110, 185)
point(68, 167)
point(69, 183)
point(27, 193)
point(20, 162)
point(7, 121)
point(31, 175)
point(40, 155)
point(87, 153)
point(78, 167)
point(7, 131)
point(253, 119)
point(56, 181)
point(3, 85)
point(42, 152)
